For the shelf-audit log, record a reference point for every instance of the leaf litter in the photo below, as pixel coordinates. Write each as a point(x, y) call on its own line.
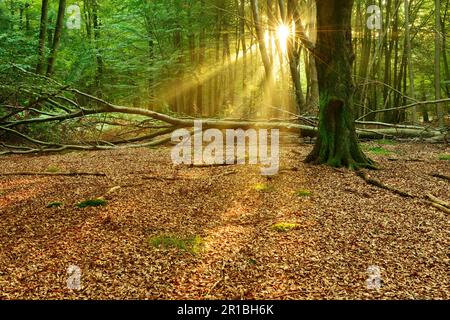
point(341, 228)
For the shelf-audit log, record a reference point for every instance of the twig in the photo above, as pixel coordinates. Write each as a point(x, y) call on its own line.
point(70, 174)
point(440, 176)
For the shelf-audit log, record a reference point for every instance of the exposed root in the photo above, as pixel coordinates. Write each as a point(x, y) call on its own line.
point(440, 176)
point(379, 184)
point(438, 203)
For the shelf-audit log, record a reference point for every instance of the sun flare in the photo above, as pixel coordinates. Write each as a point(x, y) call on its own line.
point(283, 34)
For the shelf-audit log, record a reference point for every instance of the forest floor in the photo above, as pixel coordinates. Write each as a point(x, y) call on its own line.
point(208, 233)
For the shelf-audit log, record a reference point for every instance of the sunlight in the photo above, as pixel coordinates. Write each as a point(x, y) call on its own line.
point(283, 34)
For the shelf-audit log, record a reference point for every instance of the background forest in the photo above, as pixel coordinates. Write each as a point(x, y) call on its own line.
point(201, 58)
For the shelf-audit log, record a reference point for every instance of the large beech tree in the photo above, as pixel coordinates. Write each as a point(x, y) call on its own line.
point(337, 143)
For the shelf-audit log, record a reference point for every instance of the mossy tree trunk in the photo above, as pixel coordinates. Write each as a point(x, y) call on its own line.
point(337, 144)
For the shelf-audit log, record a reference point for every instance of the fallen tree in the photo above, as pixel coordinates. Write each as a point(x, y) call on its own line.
point(38, 100)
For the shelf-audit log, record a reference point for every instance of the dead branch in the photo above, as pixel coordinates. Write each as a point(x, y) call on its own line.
point(440, 176)
point(69, 174)
point(438, 206)
point(418, 103)
point(379, 184)
point(438, 201)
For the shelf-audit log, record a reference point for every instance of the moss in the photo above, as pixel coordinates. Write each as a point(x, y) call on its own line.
point(444, 157)
point(284, 226)
point(192, 244)
point(55, 205)
point(303, 193)
point(386, 142)
point(380, 151)
point(53, 169)
point(263, 187)
point(92, 203)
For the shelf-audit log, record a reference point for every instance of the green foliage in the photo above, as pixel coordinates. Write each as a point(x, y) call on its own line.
point(284, 226)
point(386, 142)
point(444, 157)
point(263, 187)
point(380, 151)
point(303, 193)
point(192, 244)
point(92, 203)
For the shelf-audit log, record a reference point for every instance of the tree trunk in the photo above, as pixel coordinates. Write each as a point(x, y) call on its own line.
point(409, 57)
point(337, 143)
point(42, 31)
point(56, 37)
point(261, 41)
point(98, 55)
point(437, 62)
point(294, 57)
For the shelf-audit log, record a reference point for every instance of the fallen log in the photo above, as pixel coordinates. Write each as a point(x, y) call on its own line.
point(69, 174)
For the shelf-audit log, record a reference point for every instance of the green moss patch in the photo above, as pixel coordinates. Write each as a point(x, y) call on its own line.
point(303, 193)
point(444, 157)
point(263, 187)
point(92, 203)
point(192, 244)
point(53, 169)
point(380, 151)
point(284, 227)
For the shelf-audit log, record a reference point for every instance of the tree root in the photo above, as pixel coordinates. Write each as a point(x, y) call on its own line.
point(440, 176)
point(435, 202)
point(438, 203)
point(378, 184)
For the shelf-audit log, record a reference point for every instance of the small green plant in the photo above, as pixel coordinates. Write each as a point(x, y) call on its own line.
point(386, 142)
point(444, 157)
point(284, 226)
point(92, 203)
point(193, 244)
point(262, 187)
point(380, 151)
point(197, 244)
point(55, 205)
point(53, 169)
point(303, 193)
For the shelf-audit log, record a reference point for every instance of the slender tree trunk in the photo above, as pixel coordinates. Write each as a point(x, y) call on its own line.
point(294, 56)
point(243, 43)
point(437, 62)
point(27, 18)
point(98, 56)
point(337, 143)
point(409, 57)
point(56, 38)
point(444, 49)
point(387, 61)
point(42, 33)
point(261, 39)
point(201, 62)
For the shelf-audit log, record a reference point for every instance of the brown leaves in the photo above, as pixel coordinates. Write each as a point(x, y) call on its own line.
point(341, 228)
